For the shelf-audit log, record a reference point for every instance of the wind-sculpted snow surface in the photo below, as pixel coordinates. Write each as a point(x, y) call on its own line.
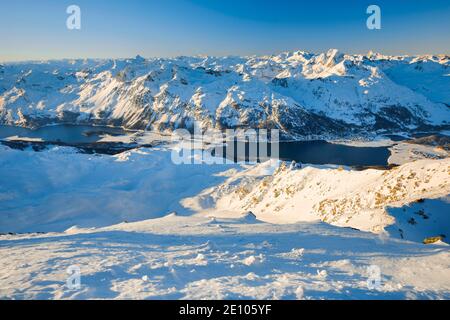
point(57, 188)
point(303, 94)
point(200, 258)
point(138, 226)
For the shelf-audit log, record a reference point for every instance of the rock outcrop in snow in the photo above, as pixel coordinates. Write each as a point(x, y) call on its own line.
point(305, 95)
point(347, 198)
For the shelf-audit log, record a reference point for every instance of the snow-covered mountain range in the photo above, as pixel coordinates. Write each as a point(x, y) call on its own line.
point(305, 95)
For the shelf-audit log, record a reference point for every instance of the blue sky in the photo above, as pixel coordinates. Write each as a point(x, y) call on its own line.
point(36, 29)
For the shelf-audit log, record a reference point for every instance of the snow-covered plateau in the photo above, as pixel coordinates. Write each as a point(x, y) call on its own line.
point(140, 227)
point(305, 95)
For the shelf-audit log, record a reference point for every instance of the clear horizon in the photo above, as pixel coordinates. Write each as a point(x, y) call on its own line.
point(33, 31)
point(218, 56)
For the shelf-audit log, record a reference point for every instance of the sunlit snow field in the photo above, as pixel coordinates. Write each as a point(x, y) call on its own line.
point(139, 226)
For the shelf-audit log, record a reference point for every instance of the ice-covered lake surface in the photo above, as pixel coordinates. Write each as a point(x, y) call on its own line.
point(141, 227)
point(314, 152)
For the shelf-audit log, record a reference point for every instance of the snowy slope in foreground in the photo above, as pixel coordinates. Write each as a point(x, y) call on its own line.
point(234, 255)
point(305, 95)
point(56, 189)
point(59, 188)
point(341, 197)
point(199, 258)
